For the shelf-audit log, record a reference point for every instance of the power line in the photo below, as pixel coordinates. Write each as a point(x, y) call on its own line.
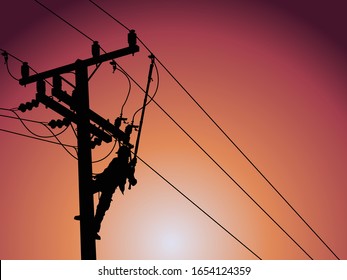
point(225, 134)
point(22, 120)
point(82, 118)
point(103, 158)
point(154, 94)
point(109, 15)
point(10, 73)
point(147, 164)
point(249, 160)
point(48, 9)
point(88, 37)
point(26, 120)
point(128, 93)
point(194, 140)
point(94, 71)
point(85, 35)
point(73, 129)
point(56, 137)
point(5, 54)
point(11, 55)
point(36, 138)
point(197, 206)
point(35, 134)
point(223, 170)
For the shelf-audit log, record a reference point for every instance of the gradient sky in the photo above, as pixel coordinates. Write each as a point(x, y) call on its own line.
point(272, 74)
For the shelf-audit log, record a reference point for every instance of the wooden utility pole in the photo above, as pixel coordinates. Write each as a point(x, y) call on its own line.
point(88, 247)
point(82, 116)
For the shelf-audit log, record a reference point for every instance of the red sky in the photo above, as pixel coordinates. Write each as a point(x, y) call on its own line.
point(270, 73)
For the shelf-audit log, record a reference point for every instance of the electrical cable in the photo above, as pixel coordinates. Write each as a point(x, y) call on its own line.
point(78, 30)
point(85, 35)
point(72, 26)
point(226, 135)
point(26, 120)
point(6, 109)
point(75, 28)
point(73, 129)
point(249, 160)
point(146, 105)
point(5, 53)
point(197, 206)
point(68, 82)
point(94, 71)
point(48, 9)
point(128, 93)
point(152, 97)
point(40, 136)
point(9, 72)
point(11, 55)
point(109, 15)
point(99, 160)
point(35, 134)
point(223, 170)
point(36, 138)
point(56, 137)
point(193, 139)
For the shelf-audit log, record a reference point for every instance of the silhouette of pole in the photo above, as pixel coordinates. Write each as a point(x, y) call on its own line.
point(86, 202)
point(82, 118)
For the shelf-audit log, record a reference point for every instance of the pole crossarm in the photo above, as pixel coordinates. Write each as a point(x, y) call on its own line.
point(105, 124)
point(72, 67)
point(65, 112)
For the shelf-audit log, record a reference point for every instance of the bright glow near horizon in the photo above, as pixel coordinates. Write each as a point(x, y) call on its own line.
point(273, 83)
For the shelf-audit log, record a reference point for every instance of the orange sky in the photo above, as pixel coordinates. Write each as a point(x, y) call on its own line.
point(274, 82)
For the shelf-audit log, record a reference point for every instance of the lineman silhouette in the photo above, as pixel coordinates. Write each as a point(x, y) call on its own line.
point(114, 175)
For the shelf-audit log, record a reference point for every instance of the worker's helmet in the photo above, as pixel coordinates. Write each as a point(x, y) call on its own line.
point(123, 151)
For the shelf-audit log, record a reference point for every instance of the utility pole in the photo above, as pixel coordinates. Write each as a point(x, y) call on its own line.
point(82, 117)
point(88, 247)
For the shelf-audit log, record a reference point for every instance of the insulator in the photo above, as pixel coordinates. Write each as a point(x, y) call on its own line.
point(114, 65)
point(52, 124)
point(118, 122)
point(96, 49)
point(128, 129)
point(29, 105)
point(66, 122)
point(60, 123)
point(132, 38)
point(41, 87)
point(95, 142)
point(92, 145)
point(5, 55)
point(22, 107)
point(35, 103)
point(25, 70)
point(98, 141)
